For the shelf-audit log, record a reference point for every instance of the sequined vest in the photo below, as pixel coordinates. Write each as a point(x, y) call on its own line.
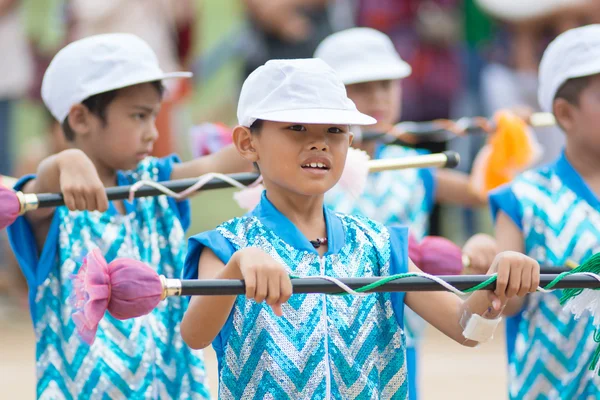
point(552, 349)
point(142, 358)
point(324, 346)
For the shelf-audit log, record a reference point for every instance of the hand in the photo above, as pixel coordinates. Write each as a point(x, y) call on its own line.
point(265, 278)
point(79, 182)
point(481, 250)
point(517, 276)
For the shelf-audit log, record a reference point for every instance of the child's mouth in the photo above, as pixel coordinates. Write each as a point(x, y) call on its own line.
point(315, 168)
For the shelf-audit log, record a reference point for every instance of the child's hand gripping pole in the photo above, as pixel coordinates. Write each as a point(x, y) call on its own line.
point(356, 170)
point(127, 288)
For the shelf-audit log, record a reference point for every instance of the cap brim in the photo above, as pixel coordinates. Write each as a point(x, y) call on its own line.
point(375, 73)
point(318, 116)
point(547, 100)
point(139, 80)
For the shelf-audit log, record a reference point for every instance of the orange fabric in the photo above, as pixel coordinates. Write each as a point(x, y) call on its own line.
point(511, 149)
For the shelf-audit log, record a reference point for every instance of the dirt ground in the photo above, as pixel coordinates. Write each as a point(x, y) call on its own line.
point(448, 371)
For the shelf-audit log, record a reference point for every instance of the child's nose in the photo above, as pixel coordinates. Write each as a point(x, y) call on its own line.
point(151, 133)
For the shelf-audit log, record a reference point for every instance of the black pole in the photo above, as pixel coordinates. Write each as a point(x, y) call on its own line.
point(222, 287)
point(122, 192)
point(554, 270)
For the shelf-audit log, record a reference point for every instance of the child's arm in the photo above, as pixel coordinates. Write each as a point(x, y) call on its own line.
point(453, 187)
point(226, 161)
point(517, 276)
point(265, 279)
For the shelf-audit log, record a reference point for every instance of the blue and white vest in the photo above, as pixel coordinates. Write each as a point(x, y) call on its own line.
point(142, 358)
point(324, 346)
point(550, 351)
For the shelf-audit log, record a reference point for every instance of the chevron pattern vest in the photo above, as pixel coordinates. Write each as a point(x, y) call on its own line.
point(552, 349)
point(338, 347)
point(142, 358)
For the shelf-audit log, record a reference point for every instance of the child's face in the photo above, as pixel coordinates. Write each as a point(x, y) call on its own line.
point(130, 130)
point(379, 99)
point(585, 120)
point(305, 159)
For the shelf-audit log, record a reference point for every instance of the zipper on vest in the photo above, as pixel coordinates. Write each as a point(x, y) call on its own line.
point(324, 318)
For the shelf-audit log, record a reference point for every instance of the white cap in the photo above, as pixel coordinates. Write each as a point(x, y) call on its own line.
point(98, 64)
point(519, 10)
point(305, 91)
point(362, 55)
point(573, 54)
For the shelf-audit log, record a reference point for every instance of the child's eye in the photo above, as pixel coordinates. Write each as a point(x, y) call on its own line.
point(335, 129)
point(140, 116)
point(297, 128)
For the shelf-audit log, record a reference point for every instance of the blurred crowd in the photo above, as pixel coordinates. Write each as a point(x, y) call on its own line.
point(465, 62)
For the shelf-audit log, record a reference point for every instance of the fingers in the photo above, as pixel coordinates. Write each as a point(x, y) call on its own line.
point(250, 282)
point(526, 277)
point(277, 310)
point(261, 287)
point(286, 288)
point(515, 271)
point(69, 200)
point(265, 279)
point(502, 280)
point(80, 202)
point(517, 275)
point(535, 277)
point(497, 305)
point(273, 289)
point(91, 197)
point(101, 201)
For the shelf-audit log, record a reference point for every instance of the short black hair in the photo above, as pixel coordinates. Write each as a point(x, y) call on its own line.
point(98, 103)
point(572, 88)
point(256, 126)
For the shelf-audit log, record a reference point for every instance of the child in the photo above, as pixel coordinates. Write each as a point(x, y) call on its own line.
point(552, 214)
point(294, 118)
point(106, 91)
point(371, 69)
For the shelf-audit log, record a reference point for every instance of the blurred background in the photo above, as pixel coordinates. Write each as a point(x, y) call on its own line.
point(465, 63)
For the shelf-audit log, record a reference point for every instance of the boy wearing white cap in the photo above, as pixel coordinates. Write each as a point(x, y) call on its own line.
point(294, 118)
point(371, 68)
point(553, 215)
point(106, 91)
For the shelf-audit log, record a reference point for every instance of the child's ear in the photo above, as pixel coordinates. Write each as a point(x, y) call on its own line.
point(350, 139)
point(244, 142)
point(80, 120)
point(564, 113)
